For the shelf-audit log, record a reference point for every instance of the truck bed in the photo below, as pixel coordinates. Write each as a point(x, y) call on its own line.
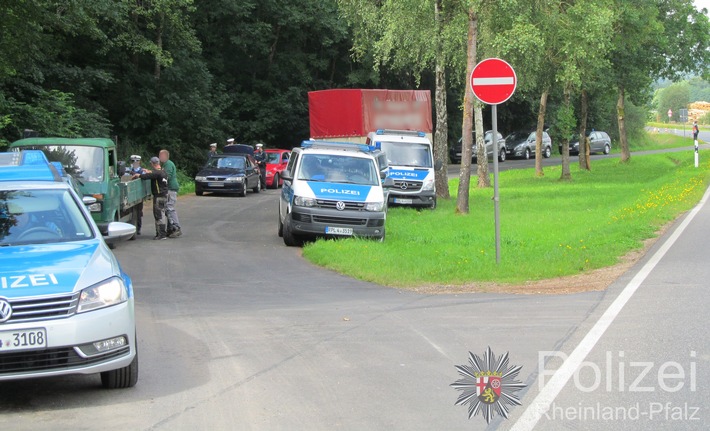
point(133, 192)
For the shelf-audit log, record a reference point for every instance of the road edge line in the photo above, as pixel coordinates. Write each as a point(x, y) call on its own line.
point(542, 402)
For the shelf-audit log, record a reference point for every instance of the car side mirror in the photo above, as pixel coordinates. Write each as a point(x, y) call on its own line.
point(389, 182)
point(438, 165)
point(119, 231)
point(383, 174)
point(286, 175)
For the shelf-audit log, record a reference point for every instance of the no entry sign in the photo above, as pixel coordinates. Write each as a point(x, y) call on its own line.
point(493, 81)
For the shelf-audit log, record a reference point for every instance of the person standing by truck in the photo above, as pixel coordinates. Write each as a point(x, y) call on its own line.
point(136, 168)
point(174, 230)
point(696, 131)
point(159, 188)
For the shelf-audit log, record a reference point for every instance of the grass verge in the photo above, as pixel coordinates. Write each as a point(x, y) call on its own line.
point(549, 228)
point(658, 141)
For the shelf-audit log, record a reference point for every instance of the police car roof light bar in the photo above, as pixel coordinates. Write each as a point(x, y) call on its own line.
point(346, 146)
point(27, 165)
point(400, 132)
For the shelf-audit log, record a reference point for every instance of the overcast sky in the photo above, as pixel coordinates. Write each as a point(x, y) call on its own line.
point(702, 4)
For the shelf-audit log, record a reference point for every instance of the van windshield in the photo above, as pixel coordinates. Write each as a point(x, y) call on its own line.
point(407, 154)
point(85, 164)
point(338, 169)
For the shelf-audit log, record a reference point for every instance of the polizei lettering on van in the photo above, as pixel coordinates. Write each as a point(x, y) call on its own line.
point(34, 280)
point(340, 192)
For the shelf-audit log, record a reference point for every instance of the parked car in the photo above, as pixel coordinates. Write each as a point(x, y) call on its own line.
point(276, 161)
point(599, 142)
point(522, 144)
point(455, 150)
point(228, 173)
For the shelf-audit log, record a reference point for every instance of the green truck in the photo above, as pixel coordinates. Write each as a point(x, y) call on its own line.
point(94, 165)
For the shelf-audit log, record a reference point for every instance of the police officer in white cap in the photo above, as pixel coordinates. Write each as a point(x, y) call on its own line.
point(213, 150)
point(230, 141)
point(260, 157)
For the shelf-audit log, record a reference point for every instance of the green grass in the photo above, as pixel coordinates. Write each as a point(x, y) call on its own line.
point(674, 125)
point(658, 141)
point(549, 228)
point(187, 184)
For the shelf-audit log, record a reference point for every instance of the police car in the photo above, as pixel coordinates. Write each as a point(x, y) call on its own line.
point(332, 189)
point(66, 306)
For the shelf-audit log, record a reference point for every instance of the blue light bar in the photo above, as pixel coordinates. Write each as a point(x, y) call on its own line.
point(328, 145)
point(27, 165)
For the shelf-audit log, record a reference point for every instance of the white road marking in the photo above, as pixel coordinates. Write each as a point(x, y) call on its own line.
point(547, 395)
point(494, 81)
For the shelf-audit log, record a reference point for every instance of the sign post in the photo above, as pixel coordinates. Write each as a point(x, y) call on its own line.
point(670, 114)
point(493, 81)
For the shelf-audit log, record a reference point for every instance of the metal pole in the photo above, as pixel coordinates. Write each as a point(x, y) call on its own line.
point(696, 153)
point(496, 198)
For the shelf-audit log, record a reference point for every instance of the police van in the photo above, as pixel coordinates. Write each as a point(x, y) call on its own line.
point(66, 306)
point(333, 189)
point(411, 166)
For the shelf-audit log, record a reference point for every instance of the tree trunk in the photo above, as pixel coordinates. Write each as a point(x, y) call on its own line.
point(538, 133)
point(566, 174)
point(466, 129)
point(625, 153)
point(484, 178)
point(159, 44)
point(441, 136)
point(584, 150)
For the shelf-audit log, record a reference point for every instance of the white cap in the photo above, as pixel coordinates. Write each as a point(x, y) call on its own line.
point(135, 158)
point(259, 145)
point(230, 140)
point(213, 144)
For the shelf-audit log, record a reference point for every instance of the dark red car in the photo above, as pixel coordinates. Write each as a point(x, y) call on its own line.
point(276, 161)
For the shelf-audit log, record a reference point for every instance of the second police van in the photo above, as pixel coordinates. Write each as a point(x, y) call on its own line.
point(411, 166)
point(333, 189)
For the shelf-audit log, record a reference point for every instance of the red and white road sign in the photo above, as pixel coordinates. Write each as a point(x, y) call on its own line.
point(493, 81)
point(670, 113)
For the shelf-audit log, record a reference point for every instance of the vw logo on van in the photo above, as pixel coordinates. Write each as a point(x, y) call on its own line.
point(340, 205)
point(5, 310)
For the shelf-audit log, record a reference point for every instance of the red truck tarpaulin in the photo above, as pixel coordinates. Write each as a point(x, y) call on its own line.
point(356, 112)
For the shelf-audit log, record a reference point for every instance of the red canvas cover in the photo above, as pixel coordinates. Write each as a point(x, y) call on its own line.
point(356, 112)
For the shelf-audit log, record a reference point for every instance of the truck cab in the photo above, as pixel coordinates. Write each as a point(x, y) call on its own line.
point(332, 189)
point(411, 166)
point(93, 164)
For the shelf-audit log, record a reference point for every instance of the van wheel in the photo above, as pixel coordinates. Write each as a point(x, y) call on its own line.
point(122, 378)
point(433, 205)
point(290, 239)
point(382, 238)
point(281, 227)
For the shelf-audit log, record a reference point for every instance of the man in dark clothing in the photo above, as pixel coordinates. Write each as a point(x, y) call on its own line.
point(159, 188)
point(136, 168)
point(260, 157)
point(213, 150)
point(695, 130)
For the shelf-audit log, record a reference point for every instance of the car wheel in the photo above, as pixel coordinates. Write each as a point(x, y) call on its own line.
point(290, 239)
point(122, 378)
point(281, 227)
point(607, 150)
point(275, 182)
point(258, 185)
point(501, 155)
point(526, 156)
point(199, 192)
point(547, 153)
point(243, 193)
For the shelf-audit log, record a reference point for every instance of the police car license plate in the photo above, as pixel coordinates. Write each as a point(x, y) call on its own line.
point(403, 201)
point(23, 339)
point(338, 230)
point(215, 184)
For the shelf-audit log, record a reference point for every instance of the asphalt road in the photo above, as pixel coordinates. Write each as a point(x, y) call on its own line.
point(238, 332)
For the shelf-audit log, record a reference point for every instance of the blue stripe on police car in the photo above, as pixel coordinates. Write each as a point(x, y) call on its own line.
point(343, 192)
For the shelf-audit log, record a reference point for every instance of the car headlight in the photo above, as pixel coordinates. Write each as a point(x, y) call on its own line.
point(374, 206)
point(428, 185)
point(95, 207)
point(519, 147)
point(105, 294)
point(234, 179)
point(304, 202)
point(200, 178)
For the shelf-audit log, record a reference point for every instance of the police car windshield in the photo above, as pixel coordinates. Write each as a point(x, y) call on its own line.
point(338, 169)
point(235, 162)
point(41, 217)
point(83, 163)
point(407, 154)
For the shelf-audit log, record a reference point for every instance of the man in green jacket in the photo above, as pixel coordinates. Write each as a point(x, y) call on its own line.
point(174, 230)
